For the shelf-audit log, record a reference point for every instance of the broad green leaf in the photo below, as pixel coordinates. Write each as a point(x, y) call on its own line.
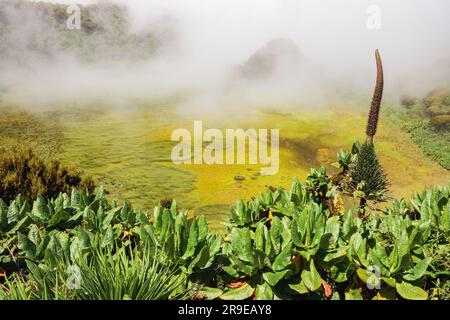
point(201, 260)
point(241, 293)
point(101, 194)
point(107, 237)
point(259, 236)
point(369, 278)
point(215, 244)
point(13, 213)
point(202, 228)
point(33, 234)
point(363, 274)
point(109, 216)
point(241, 244)
point(272, 278)
point(296, 237)
point(311, 277)
point(275, 234)
point(299, 287)
point(75, 198)
point(263, 292)
point(282, 260)
point(58, 217)
point(20, 225)
point(231, 270)
point(192, 241)
point(411, 292)
point(333, 226)
point(389, 281)
point(353, 294)
point(39, 214)
point(336, 256)
point(210, 293)
point(26, 245)
point(418, 271)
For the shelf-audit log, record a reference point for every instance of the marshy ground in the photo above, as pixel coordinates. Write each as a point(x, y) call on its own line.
point(128, 152)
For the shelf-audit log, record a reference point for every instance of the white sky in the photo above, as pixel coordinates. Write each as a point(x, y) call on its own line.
point(331, 34)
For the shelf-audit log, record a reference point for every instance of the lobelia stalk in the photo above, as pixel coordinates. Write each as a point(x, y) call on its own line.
point(374, 113)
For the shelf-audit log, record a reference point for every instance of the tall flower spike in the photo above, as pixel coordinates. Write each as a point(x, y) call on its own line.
point(374, 113)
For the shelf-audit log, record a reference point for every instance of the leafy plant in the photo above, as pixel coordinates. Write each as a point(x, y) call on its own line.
point(188, 244)
point(280, 256)
point(368, 180)
point(280, 245)
point(127, 274)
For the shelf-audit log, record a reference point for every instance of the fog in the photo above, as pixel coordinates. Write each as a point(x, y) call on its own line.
point(204, 46)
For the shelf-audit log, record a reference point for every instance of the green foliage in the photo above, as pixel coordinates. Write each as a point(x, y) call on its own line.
point(23, 172)
point(428, 123)
point(280, 245)
point(319, 184)
point(345, 159)
point(368, 180)
point(136, 274)
point(302, 251)
point(441, 122)
point(155, 257)
point(189, 244)
point(436, 103)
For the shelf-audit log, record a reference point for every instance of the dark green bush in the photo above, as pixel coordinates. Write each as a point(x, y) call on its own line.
point(441, 122)
point(408, 101)
point(22, 172)
point(368, 179)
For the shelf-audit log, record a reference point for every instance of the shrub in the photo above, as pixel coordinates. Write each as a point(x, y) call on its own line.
point(441, 122)
point(436, 97)
point(23, 172)
point(408, 101)
point(367, 175)
point(367, 178)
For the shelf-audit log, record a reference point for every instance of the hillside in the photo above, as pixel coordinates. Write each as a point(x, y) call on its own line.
point(31, 31)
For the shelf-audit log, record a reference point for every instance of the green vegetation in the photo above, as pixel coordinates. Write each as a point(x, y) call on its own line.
point(282, 244)
point(143, 277)
point(305, 243)
point(60, 240)
point(22, 172)
point(301, 250)
point(128, 152)
point(427, 121)
point(297, 244)
point(368, 180)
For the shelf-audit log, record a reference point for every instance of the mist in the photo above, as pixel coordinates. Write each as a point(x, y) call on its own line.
point(319, 53)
